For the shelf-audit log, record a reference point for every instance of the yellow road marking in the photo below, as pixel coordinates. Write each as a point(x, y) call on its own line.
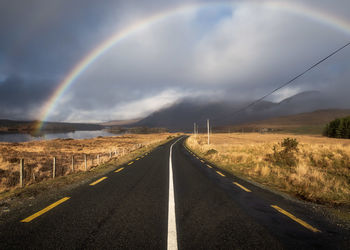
point(46, 209)
point(118, 170)
point(197, 158)
point(244, 188)
point(220, 173)
point(301, 222)
point(137, 159)
point(209, 166)
point(130, 163)
point(202, 161)
point(99, 180)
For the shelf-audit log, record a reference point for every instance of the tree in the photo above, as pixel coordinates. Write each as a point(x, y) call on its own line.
point(338, 128)
point(347, 128)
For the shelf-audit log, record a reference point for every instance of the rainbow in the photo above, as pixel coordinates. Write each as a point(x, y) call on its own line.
point(312, 13)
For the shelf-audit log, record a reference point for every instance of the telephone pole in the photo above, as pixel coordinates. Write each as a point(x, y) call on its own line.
point(208, 127)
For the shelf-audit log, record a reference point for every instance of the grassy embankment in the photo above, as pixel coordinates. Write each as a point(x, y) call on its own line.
point(38, 158)
point(318, 170)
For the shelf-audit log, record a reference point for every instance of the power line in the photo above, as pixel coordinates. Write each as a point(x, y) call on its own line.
point(293, 79)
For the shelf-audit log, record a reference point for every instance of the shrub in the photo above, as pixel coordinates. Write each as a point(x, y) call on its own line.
point(290, 145)
point(283, 153)
point(211, 152)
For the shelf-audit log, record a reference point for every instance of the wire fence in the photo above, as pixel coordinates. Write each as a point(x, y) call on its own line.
point(25, 170)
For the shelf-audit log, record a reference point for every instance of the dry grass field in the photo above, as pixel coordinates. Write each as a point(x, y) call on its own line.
point(317, 169)
point(38, 156)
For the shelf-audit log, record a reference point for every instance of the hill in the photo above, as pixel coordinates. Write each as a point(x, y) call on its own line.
point(310, 123)
point(184, 113)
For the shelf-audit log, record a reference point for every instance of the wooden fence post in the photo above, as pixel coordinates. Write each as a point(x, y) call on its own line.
point(110, 154)
point(72, 163)
point(85, 162)
point(21, 172)
point(98, 159)
point(54, 168)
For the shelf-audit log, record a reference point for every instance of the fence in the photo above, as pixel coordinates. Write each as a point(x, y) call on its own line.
point(61, 166)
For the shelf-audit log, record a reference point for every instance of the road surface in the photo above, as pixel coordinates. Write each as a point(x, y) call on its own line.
point(143, 205)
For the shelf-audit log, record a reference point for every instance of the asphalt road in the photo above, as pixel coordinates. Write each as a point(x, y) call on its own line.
point(133, 209)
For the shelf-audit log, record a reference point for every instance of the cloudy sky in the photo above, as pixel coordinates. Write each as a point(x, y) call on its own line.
point(236, 50)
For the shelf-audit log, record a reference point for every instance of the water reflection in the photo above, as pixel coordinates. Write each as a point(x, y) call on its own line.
point(17, 137)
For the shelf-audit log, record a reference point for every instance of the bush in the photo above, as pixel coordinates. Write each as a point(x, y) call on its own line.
point(290, 145)
point(283, 153)
point(211, 152)
point(338, 128)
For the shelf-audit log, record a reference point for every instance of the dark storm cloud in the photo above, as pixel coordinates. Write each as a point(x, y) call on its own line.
point(20, 99)
point(229, 53)
point(42, 40)
point(47, 37)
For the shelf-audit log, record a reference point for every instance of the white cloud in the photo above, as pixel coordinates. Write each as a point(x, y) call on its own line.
point(147, 105)
point(127, 110)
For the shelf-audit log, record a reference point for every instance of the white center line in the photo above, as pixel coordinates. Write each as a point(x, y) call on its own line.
point(172, 234)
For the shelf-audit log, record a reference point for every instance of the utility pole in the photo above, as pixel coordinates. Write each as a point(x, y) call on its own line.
point(194, 128)
point(208, 131)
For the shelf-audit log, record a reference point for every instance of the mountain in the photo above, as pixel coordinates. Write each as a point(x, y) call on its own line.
point(184, 113)
point(181, 115)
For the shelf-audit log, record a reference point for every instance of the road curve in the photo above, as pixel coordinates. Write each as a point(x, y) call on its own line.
point(129, 208)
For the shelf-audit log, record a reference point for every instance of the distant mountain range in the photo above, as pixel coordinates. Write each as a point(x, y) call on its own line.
point(305, 112)
point(184, 113)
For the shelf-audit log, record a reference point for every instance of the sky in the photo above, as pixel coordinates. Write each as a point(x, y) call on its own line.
point(231, 50)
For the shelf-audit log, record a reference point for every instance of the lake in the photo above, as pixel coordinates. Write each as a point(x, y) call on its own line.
point(17, 137)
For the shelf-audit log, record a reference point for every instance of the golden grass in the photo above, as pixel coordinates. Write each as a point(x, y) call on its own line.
point(321, 174)
point(38, 156)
